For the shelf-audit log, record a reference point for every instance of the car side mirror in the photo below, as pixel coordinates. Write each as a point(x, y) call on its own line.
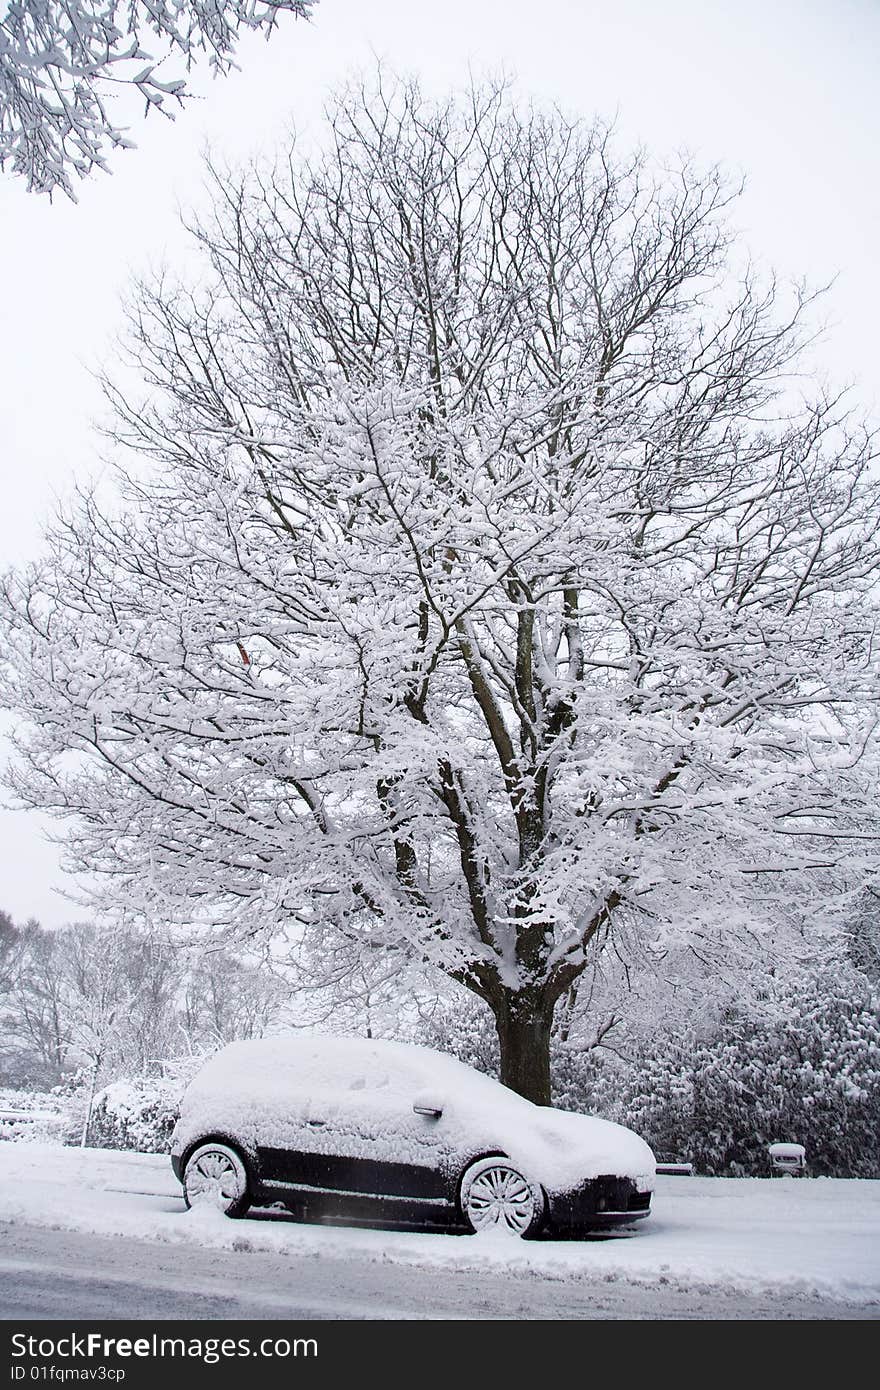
point(428, 1106)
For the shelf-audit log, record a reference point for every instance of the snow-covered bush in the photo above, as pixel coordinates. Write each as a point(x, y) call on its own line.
point(807, 1071)
point(461, 1025)
point(135, 1114)
point(587, 1081)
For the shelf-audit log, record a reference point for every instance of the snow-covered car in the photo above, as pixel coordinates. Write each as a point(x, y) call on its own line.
point(390, 1133)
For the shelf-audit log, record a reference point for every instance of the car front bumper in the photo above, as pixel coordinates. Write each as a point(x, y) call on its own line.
point(600, 1202)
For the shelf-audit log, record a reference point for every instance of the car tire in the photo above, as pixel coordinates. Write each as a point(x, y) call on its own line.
point(497, 1195)
point(215, 1173)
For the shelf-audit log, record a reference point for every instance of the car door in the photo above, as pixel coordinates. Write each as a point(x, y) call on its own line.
point(285, 1138)
point(376, 1147)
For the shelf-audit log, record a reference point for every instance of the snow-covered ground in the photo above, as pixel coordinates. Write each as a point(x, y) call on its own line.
point(794, 1236)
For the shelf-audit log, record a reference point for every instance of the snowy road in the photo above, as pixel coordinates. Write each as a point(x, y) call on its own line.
point(98, 1233)
point(60, 1275)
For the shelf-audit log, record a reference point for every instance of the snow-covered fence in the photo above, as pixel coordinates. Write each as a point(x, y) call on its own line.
point(30, 1124)
point(29, 1115)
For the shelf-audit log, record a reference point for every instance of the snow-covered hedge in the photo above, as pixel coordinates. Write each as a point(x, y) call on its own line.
point(808, 1073)
point(136, 1114)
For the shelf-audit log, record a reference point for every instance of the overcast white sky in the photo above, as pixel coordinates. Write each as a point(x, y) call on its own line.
point(784, 91)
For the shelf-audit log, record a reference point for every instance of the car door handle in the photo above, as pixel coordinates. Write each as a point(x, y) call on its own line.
point(317, 1122)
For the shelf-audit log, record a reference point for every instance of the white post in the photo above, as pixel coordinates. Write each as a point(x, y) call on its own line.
point(85, 1134)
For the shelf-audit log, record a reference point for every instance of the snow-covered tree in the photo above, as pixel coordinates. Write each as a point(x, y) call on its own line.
point(9, 939)
point(488, 589)
point(63, 61)
point(125, 999)
point(222, 998)
point(35, 1023)
point(81, 994)
point(863, 933)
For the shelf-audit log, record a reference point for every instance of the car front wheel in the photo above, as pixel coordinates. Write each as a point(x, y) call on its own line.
point(215, 1174)
point(495, 1195)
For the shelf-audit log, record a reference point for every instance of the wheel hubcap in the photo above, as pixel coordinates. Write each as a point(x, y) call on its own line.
point(213, 1178)
point(502, 1198)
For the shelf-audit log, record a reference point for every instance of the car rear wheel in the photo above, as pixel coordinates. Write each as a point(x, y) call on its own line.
point(495, 1195)
point(216, 1174)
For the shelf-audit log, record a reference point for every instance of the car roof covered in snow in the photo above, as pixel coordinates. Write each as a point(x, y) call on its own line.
point(328, 1062)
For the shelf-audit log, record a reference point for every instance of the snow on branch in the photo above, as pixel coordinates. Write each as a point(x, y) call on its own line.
point(61, 62)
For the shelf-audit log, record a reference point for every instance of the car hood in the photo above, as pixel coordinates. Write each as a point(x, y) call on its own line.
point(566, 1149)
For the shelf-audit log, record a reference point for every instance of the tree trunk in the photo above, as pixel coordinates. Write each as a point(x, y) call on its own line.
point(523, 1023)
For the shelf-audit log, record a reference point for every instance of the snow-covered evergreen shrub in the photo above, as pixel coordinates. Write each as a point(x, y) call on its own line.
point(135, 1114)
point(587, 1082)
point(463, 1027)
point(807, 1071)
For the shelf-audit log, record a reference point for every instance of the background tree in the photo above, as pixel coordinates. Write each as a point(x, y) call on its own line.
point(35, 1020)
point(62, 62)
point(498, 596)
point(223, 998)
point(123, 1003)
point(8, 949)
point(83, 995)
point(863, 933)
